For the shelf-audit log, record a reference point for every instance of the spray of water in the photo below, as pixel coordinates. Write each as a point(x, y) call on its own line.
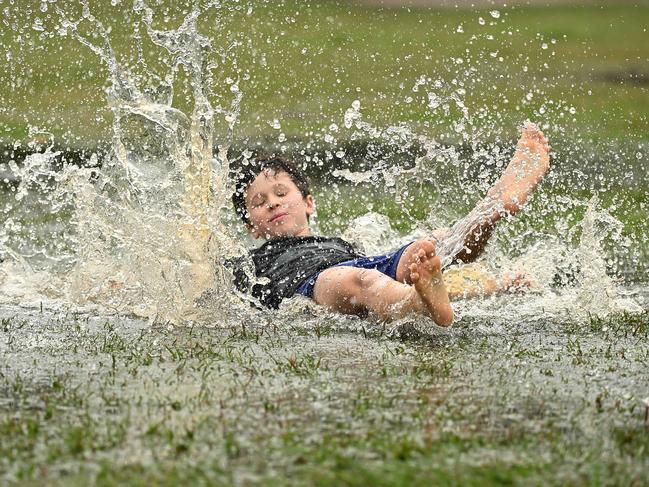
point(146, 229)
point(147, 232)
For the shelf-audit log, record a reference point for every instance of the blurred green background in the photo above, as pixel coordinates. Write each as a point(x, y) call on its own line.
point(583, 70)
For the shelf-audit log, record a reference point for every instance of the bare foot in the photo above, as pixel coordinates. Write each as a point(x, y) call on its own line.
point(411, 256)
point(526, 169)
point(426, 277)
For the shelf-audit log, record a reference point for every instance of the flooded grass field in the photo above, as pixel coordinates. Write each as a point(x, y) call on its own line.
point(126, 355)
point(330, 401)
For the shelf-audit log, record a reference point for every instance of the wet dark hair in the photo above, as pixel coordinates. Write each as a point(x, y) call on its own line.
point(247, 174)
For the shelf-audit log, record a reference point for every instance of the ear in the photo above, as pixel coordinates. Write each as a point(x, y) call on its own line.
point(310, 205)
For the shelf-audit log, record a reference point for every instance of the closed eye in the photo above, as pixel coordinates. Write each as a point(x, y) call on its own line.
point(281, 190)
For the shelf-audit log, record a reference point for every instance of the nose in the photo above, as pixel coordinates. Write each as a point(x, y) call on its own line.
point(272, 202)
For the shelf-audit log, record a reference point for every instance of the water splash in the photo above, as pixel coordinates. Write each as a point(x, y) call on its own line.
point(597, 293)
point(146, 229)
point(147, 233)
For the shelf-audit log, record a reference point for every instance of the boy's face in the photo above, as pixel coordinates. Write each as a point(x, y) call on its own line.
point(276, 207)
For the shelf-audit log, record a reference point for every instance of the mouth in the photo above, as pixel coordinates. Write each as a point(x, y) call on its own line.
point(278, 217)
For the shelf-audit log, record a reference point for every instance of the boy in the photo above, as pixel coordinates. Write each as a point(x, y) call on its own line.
point(273, 199)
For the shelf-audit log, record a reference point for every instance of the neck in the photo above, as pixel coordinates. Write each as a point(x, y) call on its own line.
point(305, 232)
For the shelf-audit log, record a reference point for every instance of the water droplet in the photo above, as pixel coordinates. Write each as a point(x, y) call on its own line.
point(275, 124)
point(481, 21)
point(572, 110)
point(356, 105)
point(495, 14)
point(460, 29)
point(282, 137)
point(544, 45)
point(38, 25)
point(333, 127)
point(638, 155)
point(433, 101)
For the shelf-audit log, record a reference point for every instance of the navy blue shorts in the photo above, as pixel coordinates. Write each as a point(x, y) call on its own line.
point(386, 264)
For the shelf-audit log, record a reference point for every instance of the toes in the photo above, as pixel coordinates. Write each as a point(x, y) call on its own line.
point(530, 127)
point(429, 246)
point(533, 131)
point(414, 275)
point(432, 249)
point(435, 264)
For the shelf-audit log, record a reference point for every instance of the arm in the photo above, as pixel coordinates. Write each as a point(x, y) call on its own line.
point(475, 282)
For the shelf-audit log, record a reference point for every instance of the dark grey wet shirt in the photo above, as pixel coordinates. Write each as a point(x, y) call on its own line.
point(287, 262)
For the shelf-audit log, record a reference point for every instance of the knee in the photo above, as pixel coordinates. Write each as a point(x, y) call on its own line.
point(345, 282)
point(345, 289)
point(365, 280)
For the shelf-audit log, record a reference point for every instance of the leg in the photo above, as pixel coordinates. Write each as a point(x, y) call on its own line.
point(466, 240)
point(473, 281)
point(355, 291)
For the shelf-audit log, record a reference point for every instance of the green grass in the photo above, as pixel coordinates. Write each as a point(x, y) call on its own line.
point(304, 65)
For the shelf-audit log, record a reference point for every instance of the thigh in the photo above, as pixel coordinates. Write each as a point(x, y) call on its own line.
point(341, 288)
